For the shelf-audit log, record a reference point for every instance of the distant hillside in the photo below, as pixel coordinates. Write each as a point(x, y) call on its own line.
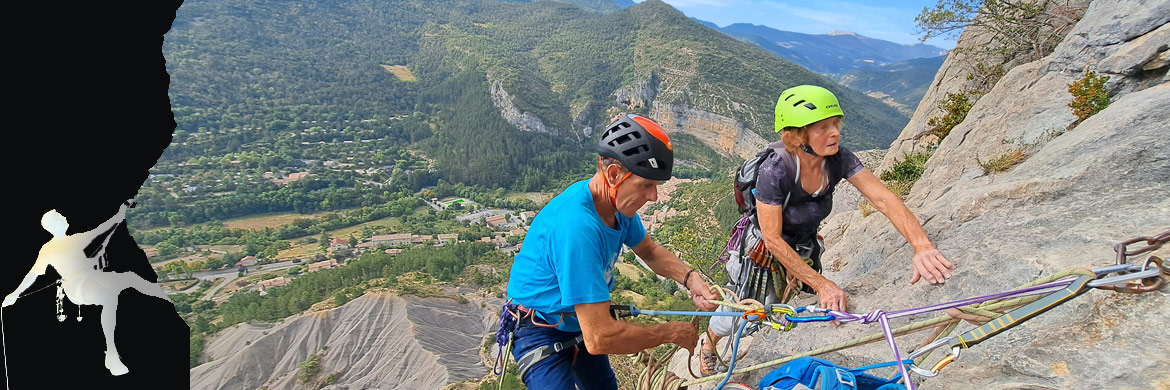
point(897, 74)
point(498, 94)
point(833, 53)
point(592, 5)
point(901, 84)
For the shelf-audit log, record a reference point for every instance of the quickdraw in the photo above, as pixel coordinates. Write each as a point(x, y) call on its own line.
point(1036, 298)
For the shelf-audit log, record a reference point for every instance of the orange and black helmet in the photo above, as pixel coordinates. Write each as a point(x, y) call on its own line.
point(640, 145)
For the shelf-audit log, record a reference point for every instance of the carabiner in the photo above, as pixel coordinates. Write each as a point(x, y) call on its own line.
point(778, 318)
point(1154, 278)
point(758, 313)
point(946, 360)
point(779, 310)
point(811, 308)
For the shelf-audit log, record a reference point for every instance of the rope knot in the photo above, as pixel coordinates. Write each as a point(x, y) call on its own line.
point(873, 316)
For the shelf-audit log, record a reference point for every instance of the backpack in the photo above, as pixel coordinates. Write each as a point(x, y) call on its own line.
point(745, 181)
point(743, 189)
point(746, 237)
point(818, 374)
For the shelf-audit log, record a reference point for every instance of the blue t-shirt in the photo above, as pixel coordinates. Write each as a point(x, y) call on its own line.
point(568, 256)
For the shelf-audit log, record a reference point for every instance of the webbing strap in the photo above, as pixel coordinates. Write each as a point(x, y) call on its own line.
point(543, 352)
point(1024, 313)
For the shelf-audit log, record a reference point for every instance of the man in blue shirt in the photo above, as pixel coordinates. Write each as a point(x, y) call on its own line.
point(564, 271)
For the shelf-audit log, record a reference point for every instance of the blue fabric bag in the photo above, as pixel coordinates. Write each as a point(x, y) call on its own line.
point(821, 374)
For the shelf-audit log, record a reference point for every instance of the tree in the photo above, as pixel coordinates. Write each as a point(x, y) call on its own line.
point(162, 273)
point(1017, 26)
point(177, 268)
point(214, 263)
point(166, 249)
point(515, 239)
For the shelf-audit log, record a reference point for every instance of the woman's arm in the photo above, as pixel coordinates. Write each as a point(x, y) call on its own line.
point(928, 261)
point(771, 220)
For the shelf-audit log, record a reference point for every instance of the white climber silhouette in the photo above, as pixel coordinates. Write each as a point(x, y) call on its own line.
point(82, 279)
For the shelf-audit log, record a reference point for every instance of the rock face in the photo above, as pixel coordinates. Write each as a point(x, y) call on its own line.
point(724, 135)
point(961, 72)
point(1075, 196)
point(378, 340)
point(522, 120)
point(638, 95)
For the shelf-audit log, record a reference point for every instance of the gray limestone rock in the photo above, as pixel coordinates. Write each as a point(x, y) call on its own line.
point(1078, 192)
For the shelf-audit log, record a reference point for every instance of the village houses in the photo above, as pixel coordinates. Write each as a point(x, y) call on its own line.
point(247, 261)
point(320, 265)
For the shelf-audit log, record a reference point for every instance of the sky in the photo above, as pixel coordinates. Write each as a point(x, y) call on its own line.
point(891, 20)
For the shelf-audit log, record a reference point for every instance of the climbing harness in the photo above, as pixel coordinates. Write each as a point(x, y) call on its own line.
point(511, 316)
point(993, 313)
point(544, 352)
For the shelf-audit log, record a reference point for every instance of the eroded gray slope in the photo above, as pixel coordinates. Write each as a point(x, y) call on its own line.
point(378, 341)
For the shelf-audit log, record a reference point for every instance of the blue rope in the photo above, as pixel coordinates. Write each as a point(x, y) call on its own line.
point(734, 352)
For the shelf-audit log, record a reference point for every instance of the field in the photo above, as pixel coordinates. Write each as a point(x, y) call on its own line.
point(270, 220)
point(539, 197)
point(304, 250)
point(629, 270)
point(401, 72)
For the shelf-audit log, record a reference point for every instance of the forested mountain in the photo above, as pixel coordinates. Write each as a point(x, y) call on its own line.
point(496, 94)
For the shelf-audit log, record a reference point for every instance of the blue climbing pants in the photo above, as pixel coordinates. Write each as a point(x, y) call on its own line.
point(561, 372)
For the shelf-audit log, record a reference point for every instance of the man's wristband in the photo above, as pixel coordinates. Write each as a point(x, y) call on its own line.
point(687, 278)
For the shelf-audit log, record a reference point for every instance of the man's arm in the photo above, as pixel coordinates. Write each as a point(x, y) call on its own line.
point(665, 263)
point(605, 335)
point(105, 226)
point(38, 269)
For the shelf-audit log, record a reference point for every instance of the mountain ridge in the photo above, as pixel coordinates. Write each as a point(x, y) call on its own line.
point(546, 66)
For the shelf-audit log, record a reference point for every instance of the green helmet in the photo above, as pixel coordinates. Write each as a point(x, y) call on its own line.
point(804, 104)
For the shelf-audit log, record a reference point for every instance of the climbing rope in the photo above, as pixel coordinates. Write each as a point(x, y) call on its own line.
point(1034, 288)
point(1048, 291)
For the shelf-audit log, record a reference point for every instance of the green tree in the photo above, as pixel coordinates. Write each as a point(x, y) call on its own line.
point(1089, 95)
point(166, 249)
point(1017, 26)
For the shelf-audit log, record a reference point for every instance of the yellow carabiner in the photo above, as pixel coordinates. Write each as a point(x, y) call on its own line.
point(943, 363)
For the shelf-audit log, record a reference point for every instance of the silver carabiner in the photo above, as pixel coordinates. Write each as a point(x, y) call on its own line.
point(947, 360)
